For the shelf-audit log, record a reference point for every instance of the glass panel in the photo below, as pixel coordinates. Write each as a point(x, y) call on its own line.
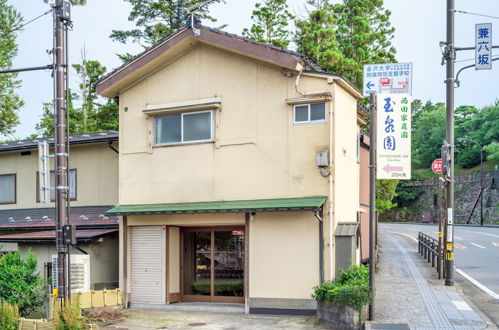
point(7, 189)
point(301, 113)
point(197, 126)
point(168, 129)
point(197, 261)
point(72, 185)
point(317, 111)
point(229, 263)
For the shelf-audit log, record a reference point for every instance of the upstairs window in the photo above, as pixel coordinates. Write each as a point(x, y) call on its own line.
point(187, 127)
point(309, 113)
point(72, 185)
point(8, 189)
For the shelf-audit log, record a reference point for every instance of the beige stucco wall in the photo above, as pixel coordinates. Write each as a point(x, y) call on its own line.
point(283, 255)
point(96, 170)
point(103, 258)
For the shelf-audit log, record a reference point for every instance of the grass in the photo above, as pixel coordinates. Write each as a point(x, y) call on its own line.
point(427, 173)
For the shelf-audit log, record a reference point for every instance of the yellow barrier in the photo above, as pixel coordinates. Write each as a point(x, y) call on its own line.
point(93, 299)
point(27, 324)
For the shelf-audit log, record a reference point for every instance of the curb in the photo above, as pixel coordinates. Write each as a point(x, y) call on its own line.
point(436, 223)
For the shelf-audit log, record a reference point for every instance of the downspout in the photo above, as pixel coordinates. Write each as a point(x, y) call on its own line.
point(328, 95)
point(318, 215)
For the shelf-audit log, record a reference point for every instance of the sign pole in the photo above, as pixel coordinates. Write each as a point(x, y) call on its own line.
point(439, 207)
point(372, 195)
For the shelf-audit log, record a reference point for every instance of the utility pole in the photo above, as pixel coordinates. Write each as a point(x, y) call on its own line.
point(450, 58)
point(372, 195)
point(61, 18)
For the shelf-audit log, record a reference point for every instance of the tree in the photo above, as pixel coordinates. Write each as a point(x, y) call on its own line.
point(20, 282)
point(157, 19)
point(342, 37)
point(385, 192)
point(93, 114)
point(10, 102)
point(493, 152)
point(270, 23)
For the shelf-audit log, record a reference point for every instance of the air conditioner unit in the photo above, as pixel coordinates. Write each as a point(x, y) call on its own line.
point(80, 272)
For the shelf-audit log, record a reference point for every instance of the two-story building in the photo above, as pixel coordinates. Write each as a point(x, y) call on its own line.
point(26, 224)
point(238, 164)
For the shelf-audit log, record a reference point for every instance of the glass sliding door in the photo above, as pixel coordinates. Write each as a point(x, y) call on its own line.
point(213, 264)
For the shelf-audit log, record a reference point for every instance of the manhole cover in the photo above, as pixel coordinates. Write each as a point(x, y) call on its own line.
point(197, 324)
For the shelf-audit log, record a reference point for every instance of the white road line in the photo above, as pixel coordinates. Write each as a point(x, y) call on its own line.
point(479, 232)
point(457, 237)
point(481, 247)
point(394, 232)
point(478, 284)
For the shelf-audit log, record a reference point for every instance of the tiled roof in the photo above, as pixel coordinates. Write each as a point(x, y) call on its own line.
point(87, 138)
point(49, 235)
point(82, 216)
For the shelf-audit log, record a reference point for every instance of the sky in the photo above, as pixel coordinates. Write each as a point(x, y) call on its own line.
point(419, 27)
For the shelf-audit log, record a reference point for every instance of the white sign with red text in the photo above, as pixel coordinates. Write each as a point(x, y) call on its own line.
point(393, 154)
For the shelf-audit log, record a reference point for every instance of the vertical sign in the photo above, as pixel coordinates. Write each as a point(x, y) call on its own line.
point(483, 46)
point(393, 145)
point(389, 78)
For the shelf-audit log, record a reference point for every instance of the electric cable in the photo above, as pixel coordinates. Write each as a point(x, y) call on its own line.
point(476, 14)
point(31, 21)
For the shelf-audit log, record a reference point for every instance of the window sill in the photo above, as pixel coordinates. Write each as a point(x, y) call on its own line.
point(310, 122)
point(182, 144)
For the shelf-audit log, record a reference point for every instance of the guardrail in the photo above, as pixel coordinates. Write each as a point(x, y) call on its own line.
point(428, 248)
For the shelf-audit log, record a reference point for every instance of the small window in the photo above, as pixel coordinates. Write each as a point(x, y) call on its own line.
point(188, 127)
point(358, 148)
point(310, 113)
point(8, 189)
point(72, 185)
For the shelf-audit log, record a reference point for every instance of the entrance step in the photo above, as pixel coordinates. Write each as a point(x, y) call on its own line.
point(195, 307)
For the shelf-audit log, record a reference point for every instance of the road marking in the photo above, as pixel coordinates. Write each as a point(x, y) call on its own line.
point(481, 247)
point(459, 246)
point(461, 305)
point(478, 284)
point(394, 232)
point(479, 232)
point(457, 237)
point(495, 244)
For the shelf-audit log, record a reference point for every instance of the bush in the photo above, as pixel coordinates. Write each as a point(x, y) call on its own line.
point(350, 288)
point(229, 288)
point(9, 316)
point(70, 318)
point(20, 283)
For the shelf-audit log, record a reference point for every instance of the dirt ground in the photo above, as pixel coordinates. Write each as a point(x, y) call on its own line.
point(158, 319)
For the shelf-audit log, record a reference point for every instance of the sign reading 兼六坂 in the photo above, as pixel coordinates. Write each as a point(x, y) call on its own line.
point(393, 157)
point(483, 46)
point(389, 78)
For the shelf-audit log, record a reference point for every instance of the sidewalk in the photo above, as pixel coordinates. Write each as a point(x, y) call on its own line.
point(409, 294)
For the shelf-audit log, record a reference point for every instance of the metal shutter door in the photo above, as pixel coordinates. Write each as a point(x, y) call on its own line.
point(147, 263)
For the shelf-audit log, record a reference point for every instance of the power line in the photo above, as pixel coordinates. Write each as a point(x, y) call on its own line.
point(31, 21)
point(467, 12)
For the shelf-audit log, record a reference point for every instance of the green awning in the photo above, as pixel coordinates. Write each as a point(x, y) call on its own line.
point(255, 205)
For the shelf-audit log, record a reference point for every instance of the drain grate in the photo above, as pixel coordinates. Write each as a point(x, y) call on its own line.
point(197, 324)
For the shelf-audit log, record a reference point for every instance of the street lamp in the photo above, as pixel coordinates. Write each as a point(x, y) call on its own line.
point(481, 174)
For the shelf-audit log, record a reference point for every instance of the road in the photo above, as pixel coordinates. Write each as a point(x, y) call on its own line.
point(476, 256)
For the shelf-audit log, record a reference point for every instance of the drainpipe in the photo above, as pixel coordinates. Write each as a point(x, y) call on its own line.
point(328, 95)
point(318, 215)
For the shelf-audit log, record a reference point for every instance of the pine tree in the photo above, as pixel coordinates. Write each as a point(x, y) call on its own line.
point(271, 23)
point(360, 32)
point(10, 102)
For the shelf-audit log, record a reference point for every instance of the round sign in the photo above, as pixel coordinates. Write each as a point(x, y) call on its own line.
point(436, 166)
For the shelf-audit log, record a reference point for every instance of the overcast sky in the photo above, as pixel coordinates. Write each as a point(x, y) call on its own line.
point(420, 25)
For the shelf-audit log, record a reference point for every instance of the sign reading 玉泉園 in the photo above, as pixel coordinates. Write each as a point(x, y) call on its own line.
point(393, 157)
point(483, 46)
point(389, 78)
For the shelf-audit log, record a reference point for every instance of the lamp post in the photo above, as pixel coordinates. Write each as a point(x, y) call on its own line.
point(481, 175)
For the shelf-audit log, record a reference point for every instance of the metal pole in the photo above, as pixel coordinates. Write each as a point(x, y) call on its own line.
point(61, 155)
point(450, 56)
point(372, 195)
point(439, 207)
point(481, 185)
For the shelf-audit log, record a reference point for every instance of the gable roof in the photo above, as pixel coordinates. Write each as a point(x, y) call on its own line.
point(87, 138)
point(110, 84)
point(48, 236)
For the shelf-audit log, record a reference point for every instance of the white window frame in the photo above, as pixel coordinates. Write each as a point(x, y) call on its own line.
point(182, 142)
point(309, 113)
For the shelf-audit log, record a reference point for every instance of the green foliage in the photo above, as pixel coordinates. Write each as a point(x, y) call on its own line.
point(9, 316)
point(385, 192)
point(351, 288)
point(93, 114)
point(271, 19)
point(342, 37)
point(405, 195)
point(229, 288)
point(493, 152)
point(70, 318)
point(20, 282)
point(158, 19)
point(10, 102)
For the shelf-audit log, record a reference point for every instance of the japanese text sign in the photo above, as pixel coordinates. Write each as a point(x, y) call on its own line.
point(483, 46)
point(390, 78)
point(393, 154)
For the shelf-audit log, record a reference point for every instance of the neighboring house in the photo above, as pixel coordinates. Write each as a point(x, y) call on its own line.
point(26, 224)
point(230, 189)
point(364, 195)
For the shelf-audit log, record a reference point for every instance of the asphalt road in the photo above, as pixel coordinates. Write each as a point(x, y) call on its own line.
point(476, 259)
